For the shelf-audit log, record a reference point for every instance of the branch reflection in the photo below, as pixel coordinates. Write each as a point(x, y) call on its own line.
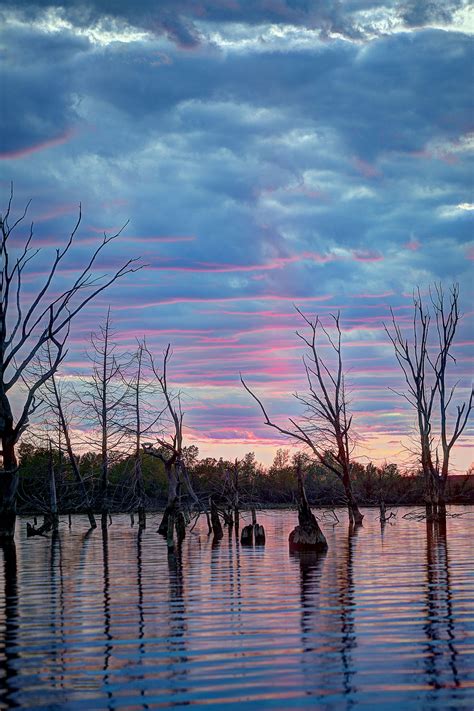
point(441, 655)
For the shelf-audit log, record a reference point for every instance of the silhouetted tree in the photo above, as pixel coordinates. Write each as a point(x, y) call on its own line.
point(326, 426)
point(424, 360)
point(104, 396)
point(28, 324)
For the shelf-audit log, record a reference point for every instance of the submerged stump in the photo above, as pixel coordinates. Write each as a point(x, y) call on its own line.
point(253, 533)
point(307, 536)
point(246, 537)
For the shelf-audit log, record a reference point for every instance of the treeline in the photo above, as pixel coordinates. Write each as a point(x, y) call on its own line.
point(259, 485)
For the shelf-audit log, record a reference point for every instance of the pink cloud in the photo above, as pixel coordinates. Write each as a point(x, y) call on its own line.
point(470, 253)
point(362, 255)
point(57, 211)
point(413, 245)
point(366, 169)
point(43, 145)
point(276, 263)
point(222, 299)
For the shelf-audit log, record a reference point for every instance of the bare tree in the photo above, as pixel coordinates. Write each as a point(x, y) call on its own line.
point(105, 395)
point(325, 428)
point(170, 453)
point(54, 397)
point(424, 361)
point(141, 421)
point(29, 323)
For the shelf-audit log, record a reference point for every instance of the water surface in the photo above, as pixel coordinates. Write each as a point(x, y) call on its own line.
point(384, 620)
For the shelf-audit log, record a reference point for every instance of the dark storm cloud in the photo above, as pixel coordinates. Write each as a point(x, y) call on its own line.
point(179, 19)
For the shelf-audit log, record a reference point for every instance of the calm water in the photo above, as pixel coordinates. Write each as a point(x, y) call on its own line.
point(384, 620)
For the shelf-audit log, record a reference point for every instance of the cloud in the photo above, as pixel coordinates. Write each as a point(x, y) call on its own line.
point(266, 154)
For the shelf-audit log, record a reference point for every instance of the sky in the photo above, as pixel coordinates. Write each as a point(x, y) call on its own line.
point(267, 154)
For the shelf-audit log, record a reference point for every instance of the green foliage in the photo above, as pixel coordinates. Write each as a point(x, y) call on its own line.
point(257, 485)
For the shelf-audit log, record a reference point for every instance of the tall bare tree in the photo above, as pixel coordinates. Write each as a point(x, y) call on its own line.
point(141, 421)
point(105, 397)
point(424, 358)
point(325, 428)
point(28, 323)
point(170, 451)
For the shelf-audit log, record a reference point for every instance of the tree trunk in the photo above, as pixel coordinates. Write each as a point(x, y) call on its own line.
point(355, 516)
point(8, 488)
point(140, 491)
point(215, 520)
point(52, 493)
point(172, 498)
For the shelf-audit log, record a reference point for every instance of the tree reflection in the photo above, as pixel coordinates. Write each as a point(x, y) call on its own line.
point(9, 636)
point(347, 607)
point(310, 564)
point(141, 615)
point(177, 617)
point(56, 584)
point(440, 651)
point(107, 616)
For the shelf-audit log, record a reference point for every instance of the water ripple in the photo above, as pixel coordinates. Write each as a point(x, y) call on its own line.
point(384, 620)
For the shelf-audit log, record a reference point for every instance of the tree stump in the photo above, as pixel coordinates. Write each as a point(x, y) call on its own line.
point(259, 533)
point(246, 537)
point(307, 536)
point(253, 533)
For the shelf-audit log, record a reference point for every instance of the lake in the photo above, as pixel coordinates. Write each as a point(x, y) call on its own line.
point(384, 620)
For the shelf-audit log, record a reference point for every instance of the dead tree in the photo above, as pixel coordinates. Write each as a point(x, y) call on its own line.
point(447, 319)
point(232, 494)
point(170, 452)
point(141, 422)
point(29, 323)
point(104, 396)
point(326, 425)
point(53, 396)
point(424, 361)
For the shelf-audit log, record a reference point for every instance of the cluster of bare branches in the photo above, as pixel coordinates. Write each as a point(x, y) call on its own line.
point(424, 357)
point(33, 324)
point(325, 426)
